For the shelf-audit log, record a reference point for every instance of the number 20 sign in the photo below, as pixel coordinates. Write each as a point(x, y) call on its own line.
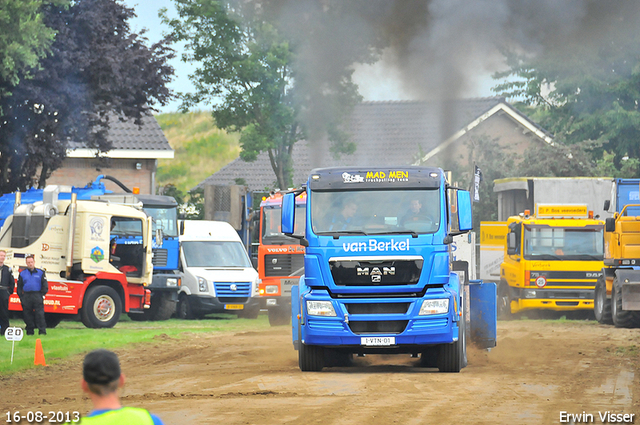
point(14, 334)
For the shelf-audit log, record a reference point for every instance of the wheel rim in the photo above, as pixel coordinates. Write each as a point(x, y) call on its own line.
point(598, 306)
point(104, 308)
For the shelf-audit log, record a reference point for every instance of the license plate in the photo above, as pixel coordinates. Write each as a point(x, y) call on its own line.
point(233, 306)
point(378, 340)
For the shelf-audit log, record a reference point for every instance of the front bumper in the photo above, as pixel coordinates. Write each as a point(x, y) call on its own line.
point(207, 304)
point(553, 299)
point(358, 318)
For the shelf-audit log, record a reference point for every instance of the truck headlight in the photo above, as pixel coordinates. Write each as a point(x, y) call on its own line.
point(271, 289)
point(202, 284)
point(320, 308)
point(530, 293)
point(173, 282)
point(439, 306)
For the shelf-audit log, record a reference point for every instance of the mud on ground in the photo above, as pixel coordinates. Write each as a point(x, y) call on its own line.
point(538, 370)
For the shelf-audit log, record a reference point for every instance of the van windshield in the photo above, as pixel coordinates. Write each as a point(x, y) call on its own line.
point(215, 254)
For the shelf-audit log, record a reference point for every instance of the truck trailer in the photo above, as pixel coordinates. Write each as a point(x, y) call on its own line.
point(378, 272)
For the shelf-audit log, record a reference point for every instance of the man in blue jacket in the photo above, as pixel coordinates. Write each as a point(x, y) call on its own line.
point(32, 287)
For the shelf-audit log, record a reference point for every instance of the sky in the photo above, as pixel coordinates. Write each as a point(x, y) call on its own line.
point(376, 83)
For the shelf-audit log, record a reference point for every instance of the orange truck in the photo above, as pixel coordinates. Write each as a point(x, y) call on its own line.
point(71, 241)
point(280, 257)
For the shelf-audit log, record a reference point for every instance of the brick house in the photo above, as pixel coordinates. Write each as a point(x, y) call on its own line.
point(133, 159)
point(400, 133)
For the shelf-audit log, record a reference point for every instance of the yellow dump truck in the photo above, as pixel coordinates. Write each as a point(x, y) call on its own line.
point(552, 260)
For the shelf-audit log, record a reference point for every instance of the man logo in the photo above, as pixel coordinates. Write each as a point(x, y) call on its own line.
point(375, 273)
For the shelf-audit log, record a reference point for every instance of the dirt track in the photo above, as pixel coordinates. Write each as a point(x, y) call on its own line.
point(538, 370)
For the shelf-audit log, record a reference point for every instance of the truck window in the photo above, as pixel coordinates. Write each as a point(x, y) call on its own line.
point(271, 226)
point(164, 218)
point(215, 254)
point(544, 242)
point(376, 211)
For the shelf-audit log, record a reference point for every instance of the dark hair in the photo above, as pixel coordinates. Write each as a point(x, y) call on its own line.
point(101, 367)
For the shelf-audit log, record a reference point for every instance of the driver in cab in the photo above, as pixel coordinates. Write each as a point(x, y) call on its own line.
point(415, 213)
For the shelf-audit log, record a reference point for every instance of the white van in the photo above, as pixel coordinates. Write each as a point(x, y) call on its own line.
point(217, 275)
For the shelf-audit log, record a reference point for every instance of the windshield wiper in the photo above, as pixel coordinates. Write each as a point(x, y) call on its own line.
point(397, 232)
point(339, 233)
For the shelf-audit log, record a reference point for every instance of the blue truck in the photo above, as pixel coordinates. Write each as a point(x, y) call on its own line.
point(379, 277)
point(166, 247)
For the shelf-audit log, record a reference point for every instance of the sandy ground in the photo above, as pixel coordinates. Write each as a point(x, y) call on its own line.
point(538, 370)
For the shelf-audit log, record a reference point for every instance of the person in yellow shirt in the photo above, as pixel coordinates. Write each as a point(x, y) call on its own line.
point(101, 380)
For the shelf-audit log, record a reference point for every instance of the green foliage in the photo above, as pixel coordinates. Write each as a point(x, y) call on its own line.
point(586, 92)
point(97, 70)
point(253, 73)
point(24, 39)
point(200, 149)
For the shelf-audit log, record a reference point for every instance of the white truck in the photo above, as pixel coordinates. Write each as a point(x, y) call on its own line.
point(217, 275)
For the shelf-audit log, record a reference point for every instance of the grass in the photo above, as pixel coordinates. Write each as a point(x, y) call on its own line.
point(200, 149)
point(70, 338)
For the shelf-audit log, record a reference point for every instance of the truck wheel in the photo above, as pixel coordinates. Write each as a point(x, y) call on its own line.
point(453, 357)
point(602, 305)
point(184, 310)
point(310, 358)
point(621, 318)
point(250, 313)
point(504, 301)
point(279, 316)
point(161, 308)
point(52, 319)
point(101, 307)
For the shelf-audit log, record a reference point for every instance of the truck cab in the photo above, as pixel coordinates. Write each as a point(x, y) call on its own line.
point(217, 275)
point(552, 260)
point(378, 272)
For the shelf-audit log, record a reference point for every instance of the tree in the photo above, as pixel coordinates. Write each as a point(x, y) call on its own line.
point(584, 91)
point(254, 73)
point(97, 70)
point(24, 39)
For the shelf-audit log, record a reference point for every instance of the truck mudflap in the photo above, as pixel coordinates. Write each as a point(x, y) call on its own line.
point(483, 313)
point(629, 281)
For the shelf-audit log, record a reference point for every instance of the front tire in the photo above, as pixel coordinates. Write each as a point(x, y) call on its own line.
point(162, 308)
point(279, 316)
point(101, 307)
point(621, 318)
point(504, 301)
point(53, 319)
point(453, 357)
point(310, 358)
point(601, 304)
point(184, 309)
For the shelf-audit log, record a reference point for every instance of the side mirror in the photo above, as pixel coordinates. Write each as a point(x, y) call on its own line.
point(610, 225)
point(512, 247)
point(607, 205)
point(182, 227)
point(288, 213)
point(464, 210)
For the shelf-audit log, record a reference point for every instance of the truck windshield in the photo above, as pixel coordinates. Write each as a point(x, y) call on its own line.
point(164, 218)
point(215, 254)
point(271, 225)
point(376, 211)
point(557, 243)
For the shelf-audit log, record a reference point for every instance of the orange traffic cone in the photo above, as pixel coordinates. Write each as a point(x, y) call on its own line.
point(39, 358)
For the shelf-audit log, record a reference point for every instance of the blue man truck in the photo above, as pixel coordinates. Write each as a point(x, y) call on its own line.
point(166, 247)
point(378, 267)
